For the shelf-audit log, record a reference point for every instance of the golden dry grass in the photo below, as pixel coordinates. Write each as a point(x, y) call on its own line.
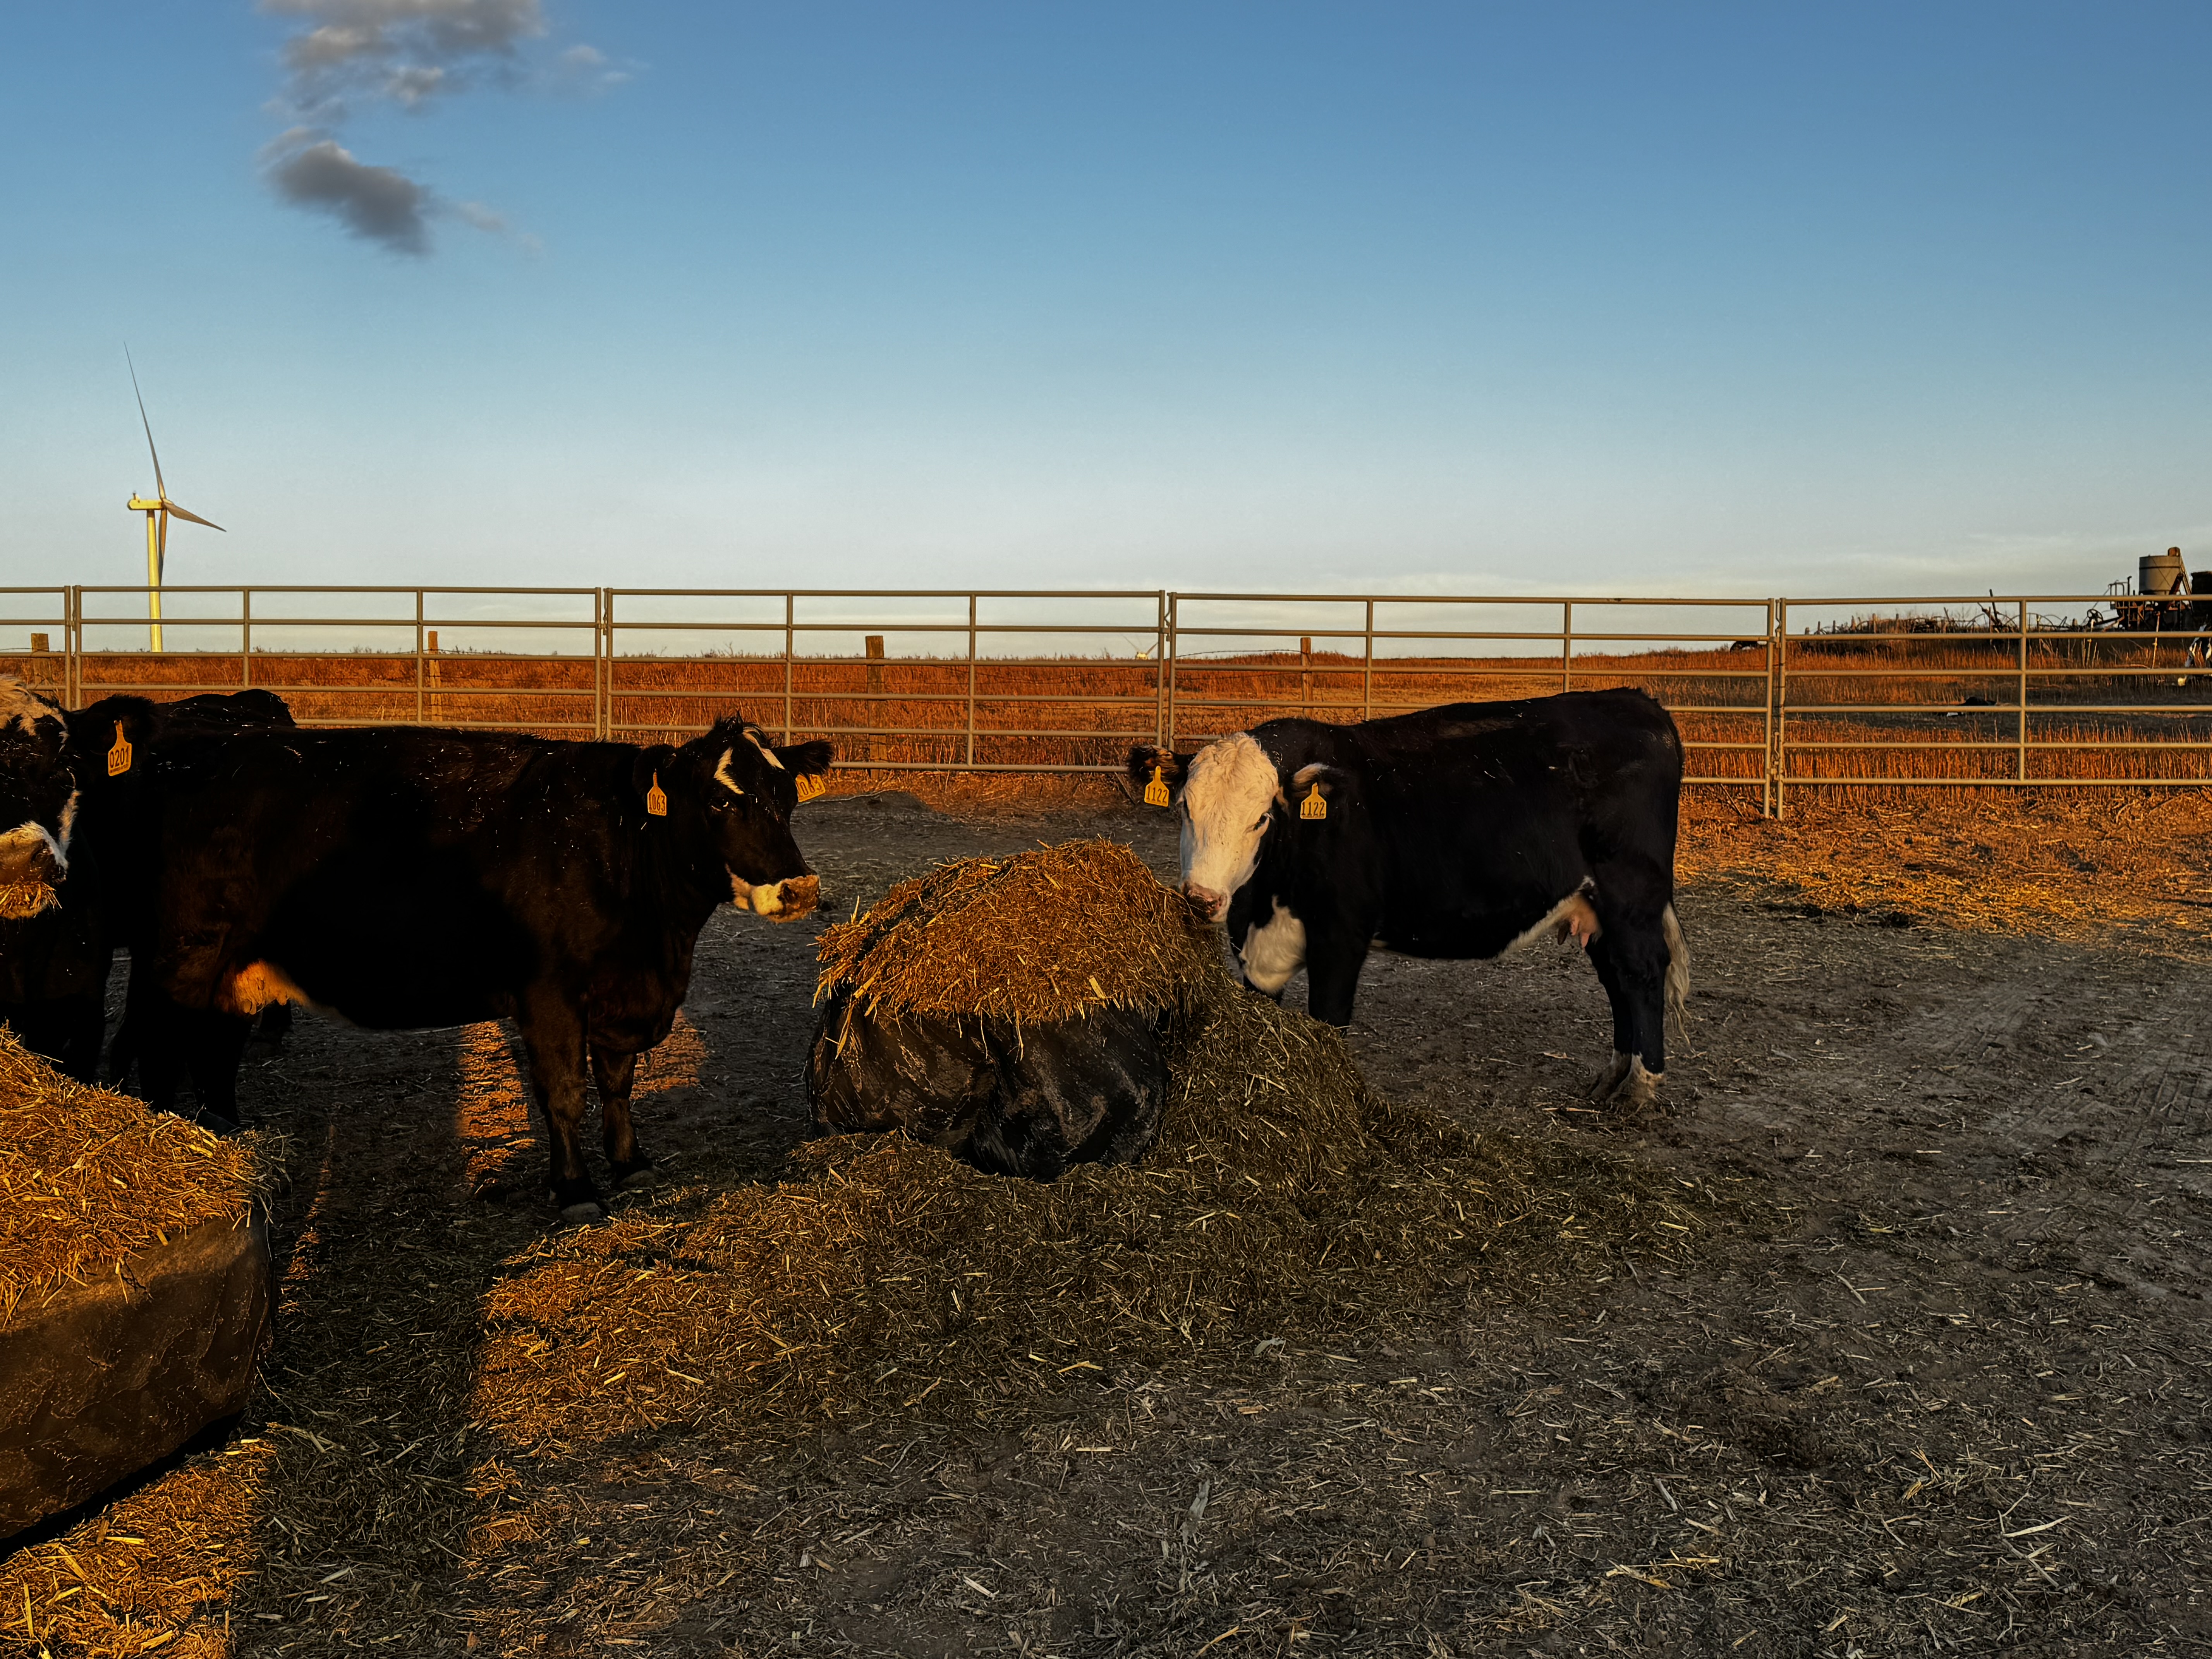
point(1043, 935)
point(20, 900)
point(90, 1178)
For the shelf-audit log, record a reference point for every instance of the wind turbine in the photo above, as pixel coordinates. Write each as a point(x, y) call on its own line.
point(158, 513)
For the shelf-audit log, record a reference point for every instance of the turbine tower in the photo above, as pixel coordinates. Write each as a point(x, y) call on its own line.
point(158, 513)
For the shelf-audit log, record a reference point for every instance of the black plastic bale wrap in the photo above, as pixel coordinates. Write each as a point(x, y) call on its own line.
point(1024, 1101)
point(1016, 1011)
point(105, 1377)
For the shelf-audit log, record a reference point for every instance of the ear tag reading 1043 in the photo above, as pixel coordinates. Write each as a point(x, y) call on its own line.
point(118, 758)
point(811, 786)
point(1155, 791)
point(656, 799)
point(1313, 806)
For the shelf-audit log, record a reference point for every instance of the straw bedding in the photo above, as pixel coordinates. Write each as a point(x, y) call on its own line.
point(90, 1177)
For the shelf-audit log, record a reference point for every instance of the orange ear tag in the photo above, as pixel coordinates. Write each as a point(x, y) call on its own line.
point(118, 758)
point(810, 785)
point(656, 799)
point(1313, 806)
point(1155, 791)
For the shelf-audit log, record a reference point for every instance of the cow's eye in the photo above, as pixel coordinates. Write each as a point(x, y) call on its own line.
point(1262, 823)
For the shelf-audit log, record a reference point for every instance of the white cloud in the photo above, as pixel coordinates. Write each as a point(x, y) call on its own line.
point(311, 170)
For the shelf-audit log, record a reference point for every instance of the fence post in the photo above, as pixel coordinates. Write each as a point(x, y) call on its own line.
point(246, 637)
point(1160, 668)
point(435, 711)
point(2022, 734)
point(1367, 671)
point(788, 602)
point(421, 712)
point(73, 644)
point(970, 762)
point(1174, 664)
point(1566, 646)
point(1779, 763)
point(1766, 726)
point(873, 644)
point(603, 662)
point(1305, 676)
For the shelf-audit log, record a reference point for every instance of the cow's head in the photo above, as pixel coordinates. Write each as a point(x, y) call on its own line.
point(748, 788)
point(38, 788)
point(1231, 797)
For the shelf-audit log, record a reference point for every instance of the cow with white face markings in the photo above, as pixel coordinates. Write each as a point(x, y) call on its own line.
point(406, 878)
point(38, 789)
point(1463, 831)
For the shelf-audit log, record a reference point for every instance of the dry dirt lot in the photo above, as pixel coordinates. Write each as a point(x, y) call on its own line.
point(1932, 1377)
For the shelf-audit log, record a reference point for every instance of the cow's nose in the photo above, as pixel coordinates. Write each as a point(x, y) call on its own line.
point(1216, 905)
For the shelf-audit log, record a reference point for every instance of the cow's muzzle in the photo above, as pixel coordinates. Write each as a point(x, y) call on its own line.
point(779, 901)
point(1213, 905)
point(29, 855)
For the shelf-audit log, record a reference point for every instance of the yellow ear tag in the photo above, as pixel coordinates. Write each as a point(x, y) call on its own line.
point(810, 785)
point(1313, 806)
point(118, 758)
point(656, 799)
point(1155, 791)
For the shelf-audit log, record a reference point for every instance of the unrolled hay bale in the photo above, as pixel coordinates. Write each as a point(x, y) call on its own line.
point(1011, 1010)
point(134, 1293)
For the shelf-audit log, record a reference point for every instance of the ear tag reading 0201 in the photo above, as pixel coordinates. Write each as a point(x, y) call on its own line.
point(1313, 806)
point(810, 785)
point(656, 799)
point(1155, 791)
point(118, 758)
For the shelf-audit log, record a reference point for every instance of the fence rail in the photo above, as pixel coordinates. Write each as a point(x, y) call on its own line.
point(1771, 696)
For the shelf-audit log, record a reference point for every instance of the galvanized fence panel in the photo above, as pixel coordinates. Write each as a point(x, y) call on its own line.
point(1772, 696)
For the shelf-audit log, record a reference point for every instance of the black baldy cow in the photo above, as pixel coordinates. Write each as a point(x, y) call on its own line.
point(1458, 832)
point(408, 878)
point(38, 789)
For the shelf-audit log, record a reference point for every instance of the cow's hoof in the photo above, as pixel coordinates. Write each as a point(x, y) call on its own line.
point(583, 1212)
point(1610, 1079)
point(636, 1175)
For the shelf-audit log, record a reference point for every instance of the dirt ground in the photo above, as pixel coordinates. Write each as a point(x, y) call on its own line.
point(1933, 1379)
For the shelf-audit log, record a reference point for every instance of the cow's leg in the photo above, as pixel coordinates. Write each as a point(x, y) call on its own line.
point(553, 1040)
point(1333, 966)
point(1634, 954)
point(614, 1073)
point(214, 1045)
point(1623, 1024)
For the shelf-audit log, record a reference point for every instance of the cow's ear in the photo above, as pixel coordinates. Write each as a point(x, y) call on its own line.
point(1157, 774)
point(654, 768)
point(808, 763)
point(1314, 788)
point(110, 738)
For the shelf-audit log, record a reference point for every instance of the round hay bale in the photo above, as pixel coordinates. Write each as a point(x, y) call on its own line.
point(1012, 1011)
point(134, 1285)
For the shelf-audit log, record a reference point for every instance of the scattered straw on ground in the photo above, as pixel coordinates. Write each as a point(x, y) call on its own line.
point(1043, 935)
point(91, 1178)
point(2069, 864)
point(20, 900)
point(1283, 1193)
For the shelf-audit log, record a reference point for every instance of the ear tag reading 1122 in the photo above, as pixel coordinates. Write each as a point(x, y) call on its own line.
point(1155, 791)
point(118, 758)
point(656, 799)
point(1313, 806)
point(810, 785)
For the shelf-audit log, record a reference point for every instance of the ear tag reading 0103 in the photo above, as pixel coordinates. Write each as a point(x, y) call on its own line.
point(810, 785)
point(656, 799)
point(1313, 806)
point(1155, 791)
point(118, 758)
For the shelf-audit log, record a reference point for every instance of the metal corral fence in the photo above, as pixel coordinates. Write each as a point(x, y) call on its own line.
point(1771, 694)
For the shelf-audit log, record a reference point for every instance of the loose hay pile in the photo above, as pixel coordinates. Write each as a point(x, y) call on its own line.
point(92, 1177)
point(1017, 938)
point(1283, 1193)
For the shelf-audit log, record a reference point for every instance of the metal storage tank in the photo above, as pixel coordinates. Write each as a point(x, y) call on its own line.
point(2162, 573)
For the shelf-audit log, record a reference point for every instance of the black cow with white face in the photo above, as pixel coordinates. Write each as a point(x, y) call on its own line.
point(38, 788)
point(407, 878)
point(1463, 831)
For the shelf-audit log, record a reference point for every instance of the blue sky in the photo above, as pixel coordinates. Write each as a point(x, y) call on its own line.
point(1698, 299)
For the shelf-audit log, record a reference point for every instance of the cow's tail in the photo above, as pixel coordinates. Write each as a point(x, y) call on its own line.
point(1678, 973)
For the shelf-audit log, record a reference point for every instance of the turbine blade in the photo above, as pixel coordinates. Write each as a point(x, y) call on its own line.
point(168, 505)
point(161, 489)
point(161, 550)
